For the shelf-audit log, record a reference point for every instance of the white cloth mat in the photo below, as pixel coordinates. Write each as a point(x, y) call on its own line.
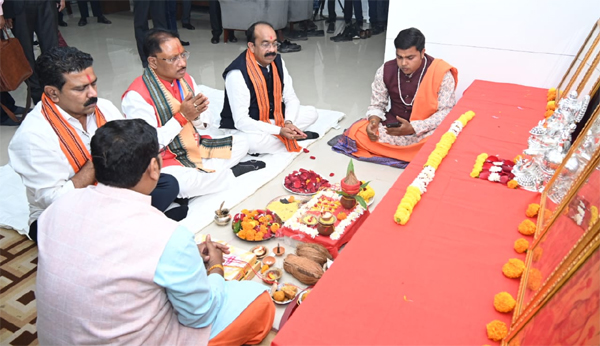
point(14, 209)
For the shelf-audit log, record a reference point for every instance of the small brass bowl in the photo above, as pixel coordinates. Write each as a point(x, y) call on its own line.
point(222, 220)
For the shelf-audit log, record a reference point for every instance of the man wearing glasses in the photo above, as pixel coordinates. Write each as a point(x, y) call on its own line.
point(259, 97)
point(167, 97)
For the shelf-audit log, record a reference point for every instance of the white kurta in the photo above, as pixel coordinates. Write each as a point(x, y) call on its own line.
point(35, 154)
point(259, 133)
point(192, 182)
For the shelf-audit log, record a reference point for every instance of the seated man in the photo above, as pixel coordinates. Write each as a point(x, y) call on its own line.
point(166, 290)
point(259, 97)
point(421, 90)
point(50, 150)
point(166, 97)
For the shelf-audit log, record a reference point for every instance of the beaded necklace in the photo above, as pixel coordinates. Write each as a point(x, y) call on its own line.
point(418, 85)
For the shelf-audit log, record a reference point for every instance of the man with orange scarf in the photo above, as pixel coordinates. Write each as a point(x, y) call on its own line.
point(169, 99)
point(260, 100)
point(421, 90)
point(51, 148)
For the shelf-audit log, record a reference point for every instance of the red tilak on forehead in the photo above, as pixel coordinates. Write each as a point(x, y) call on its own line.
point(271, 38)
point(180, 50)
point(89, 78)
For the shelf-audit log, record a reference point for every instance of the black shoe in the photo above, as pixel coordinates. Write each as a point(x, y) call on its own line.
point(294, 35)
point(62, 23)
point(104, 20)
point(287, 47)
point(82, 22)
point(309, 135)
point(247, 166)
point(232, 39)
point(214, 40)
point(188, 26)
point(377, 29)
point(331, 28)
point(184, 43)
point(315, 33)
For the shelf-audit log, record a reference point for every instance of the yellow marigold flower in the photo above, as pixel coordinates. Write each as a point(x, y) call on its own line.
point(551, 94)
point(496, 330)
point(407, 205)
point(512, 184)
point(532, 210)
point(521, 245)
point(534, 280)
point(527, 227)
point(513, 268)
point(594, 215)
point(482, 156)
point(517, 158)
point(551, 106)
point(401, 217)
point(537, 253)
point(413, 190)
point(504, 302)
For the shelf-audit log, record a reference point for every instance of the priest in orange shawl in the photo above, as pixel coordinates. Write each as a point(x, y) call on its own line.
point(421, 90)
point(260, 101)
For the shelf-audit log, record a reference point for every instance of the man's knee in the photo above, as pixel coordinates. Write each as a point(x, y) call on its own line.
point(308, 116)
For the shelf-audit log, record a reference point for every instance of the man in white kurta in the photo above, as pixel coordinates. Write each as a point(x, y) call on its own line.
point(242, 108)
point(114, 270)
point(159, 98)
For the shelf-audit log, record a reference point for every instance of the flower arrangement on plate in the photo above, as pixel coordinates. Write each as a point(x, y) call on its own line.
point(304, 182)
point(255, 225)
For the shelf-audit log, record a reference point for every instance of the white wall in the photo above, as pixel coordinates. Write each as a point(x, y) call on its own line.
point(528, 42)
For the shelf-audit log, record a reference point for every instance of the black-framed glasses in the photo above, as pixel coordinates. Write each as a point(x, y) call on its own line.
point(185, 55)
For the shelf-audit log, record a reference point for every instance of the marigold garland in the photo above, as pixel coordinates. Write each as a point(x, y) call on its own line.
point(419, 185)
point(551, 94)
point(551, 106)
point(527, 227)
point(521, 245)
point(478, 165)
point(512, 184)
point(513, 268)
point(532, 210)
point(496, 330)
point(504, 302)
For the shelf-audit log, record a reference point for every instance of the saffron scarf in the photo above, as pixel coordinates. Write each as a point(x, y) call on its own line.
point(187, 148)
point(70, 142)
point(262, 97)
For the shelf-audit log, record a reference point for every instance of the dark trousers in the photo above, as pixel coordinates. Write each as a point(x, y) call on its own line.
point(164, 194)
point(378, 11)
point(8, 102)
point(214, 12)
point(40, 17)
point(186, 10)
point(331, 11)
point(141, 10)
point(357, 5)
point(171, 13)
point(83, 8)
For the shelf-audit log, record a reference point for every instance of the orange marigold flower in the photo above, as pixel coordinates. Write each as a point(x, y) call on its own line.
point(517, 158)
point(242, 234)
point(521, 245)
point(512, 184)
point(496, 330)
point(262, 228)
point(551, 105)
point(551, 96)
point(258, 237)
point(548, 114)
point(291, 199)
point(504, 302)
point(534, 280)
point(513, 268)
point(247, 225)
point(537, 253)
point(274, 227)
point(342, 216)
point(532, 210)
point(527, 227)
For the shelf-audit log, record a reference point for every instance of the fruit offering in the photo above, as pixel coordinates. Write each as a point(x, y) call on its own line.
point(255, 225)
point(305, 181)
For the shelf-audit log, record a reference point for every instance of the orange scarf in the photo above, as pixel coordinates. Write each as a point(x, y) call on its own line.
point(70, 142)
point(262, 97)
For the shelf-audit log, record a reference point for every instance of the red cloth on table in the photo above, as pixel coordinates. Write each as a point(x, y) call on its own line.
point(332, 245)
point(447, 260)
